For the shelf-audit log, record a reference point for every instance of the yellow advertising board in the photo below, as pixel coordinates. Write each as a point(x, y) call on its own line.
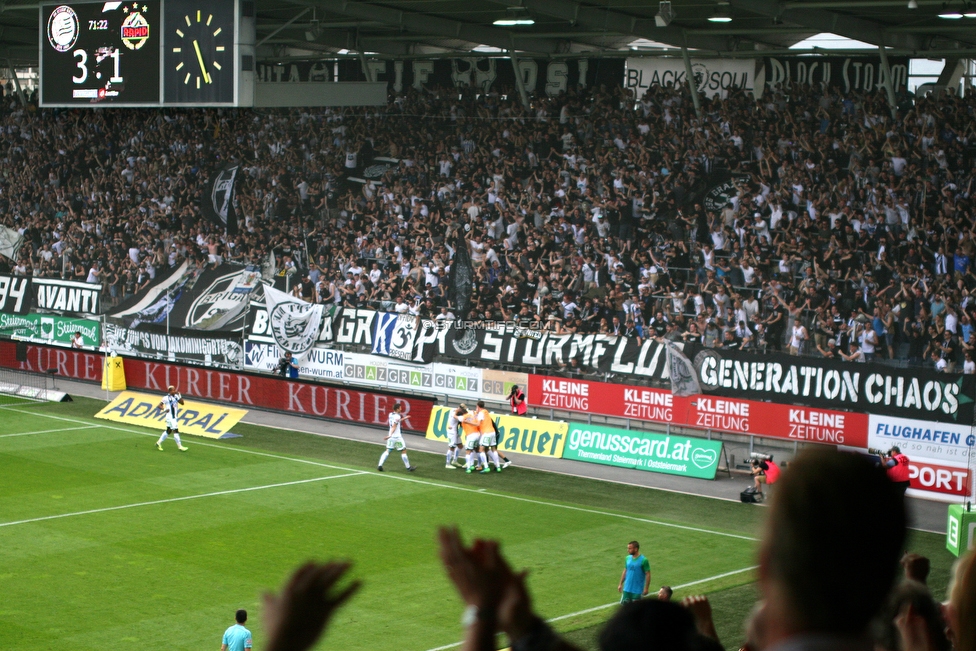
point(542, 438)
point(198, 418)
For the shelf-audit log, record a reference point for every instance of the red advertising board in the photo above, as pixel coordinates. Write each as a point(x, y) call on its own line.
point(765, 419)
point(938, 478)
point(245, 389)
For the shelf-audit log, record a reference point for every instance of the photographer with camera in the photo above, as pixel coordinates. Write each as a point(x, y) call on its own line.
point(764, 471)
point(896, 465)
point(287, 366)
point(517, 399)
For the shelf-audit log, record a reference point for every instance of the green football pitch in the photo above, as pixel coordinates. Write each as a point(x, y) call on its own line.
point(107, 543)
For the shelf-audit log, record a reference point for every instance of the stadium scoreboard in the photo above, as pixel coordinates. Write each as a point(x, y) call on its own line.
point(148, 53)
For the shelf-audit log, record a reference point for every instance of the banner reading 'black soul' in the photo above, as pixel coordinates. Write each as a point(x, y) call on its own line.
point(870, 388)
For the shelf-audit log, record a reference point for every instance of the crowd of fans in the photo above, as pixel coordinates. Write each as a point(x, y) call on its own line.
point(849, 234)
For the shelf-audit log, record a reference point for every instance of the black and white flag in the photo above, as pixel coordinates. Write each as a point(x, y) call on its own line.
point(684, 379)
point(294, 324)
point(218, 204)
point(10, 242)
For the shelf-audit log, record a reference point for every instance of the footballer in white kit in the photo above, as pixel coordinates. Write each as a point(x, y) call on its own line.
point(394, 439)
point(170, 404)
point(454, 442)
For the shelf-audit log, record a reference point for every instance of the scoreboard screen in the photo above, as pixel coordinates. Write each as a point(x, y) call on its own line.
point(104, 53)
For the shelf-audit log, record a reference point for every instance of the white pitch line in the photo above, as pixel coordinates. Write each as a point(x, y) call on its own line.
point(676, 587)
point(579, 509)
point(177, 499)
point(47, 431)
point(617, 603)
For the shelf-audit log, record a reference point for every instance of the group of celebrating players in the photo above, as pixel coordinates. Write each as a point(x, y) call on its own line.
point(474, 431)
point(477, 433)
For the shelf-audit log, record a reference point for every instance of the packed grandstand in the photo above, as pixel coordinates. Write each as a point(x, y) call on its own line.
point(664, 280)
point(805, 221)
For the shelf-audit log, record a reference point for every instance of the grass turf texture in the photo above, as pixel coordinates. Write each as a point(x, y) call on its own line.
point(203, 533)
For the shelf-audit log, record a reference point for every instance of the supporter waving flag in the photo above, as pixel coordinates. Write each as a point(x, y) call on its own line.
point(295, 324)
point(462, 277)
point(684, 380)
point(218, 204)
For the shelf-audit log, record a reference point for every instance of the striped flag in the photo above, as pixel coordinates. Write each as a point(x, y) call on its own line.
point(684, 380)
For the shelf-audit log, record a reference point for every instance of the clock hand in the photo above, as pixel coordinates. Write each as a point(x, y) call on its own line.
point(203, 68)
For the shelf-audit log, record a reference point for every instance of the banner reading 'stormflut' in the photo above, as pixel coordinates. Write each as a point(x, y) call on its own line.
point(868, 388)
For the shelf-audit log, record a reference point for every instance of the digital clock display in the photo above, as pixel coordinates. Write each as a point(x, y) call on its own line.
point(102, 53)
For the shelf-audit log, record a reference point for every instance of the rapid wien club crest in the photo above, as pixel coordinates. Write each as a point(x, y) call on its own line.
point(135, 27)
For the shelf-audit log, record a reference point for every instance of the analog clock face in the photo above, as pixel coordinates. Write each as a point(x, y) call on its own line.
point(199, 52)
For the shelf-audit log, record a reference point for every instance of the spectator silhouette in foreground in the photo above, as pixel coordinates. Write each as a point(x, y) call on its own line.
point(830, 552)
point(961, 612)
point(916, 568)
point(911, 621)
point(297, 616)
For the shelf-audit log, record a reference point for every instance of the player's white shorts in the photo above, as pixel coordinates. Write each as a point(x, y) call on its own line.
point(396, 443)
point(488, 440)
point(172, 423)
point(453, 438)
point(471, 442)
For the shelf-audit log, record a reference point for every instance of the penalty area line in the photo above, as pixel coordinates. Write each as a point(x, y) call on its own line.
point(178, 499)
point(617, 603)
point(47, 431)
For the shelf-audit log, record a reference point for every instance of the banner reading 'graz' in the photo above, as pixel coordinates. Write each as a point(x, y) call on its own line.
point(44, 328)
point(503, 344)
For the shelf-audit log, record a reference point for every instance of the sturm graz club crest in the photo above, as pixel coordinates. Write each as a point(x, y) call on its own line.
point(466, 343)
point(290, 327)
point(699, 360)
point(62, 28)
